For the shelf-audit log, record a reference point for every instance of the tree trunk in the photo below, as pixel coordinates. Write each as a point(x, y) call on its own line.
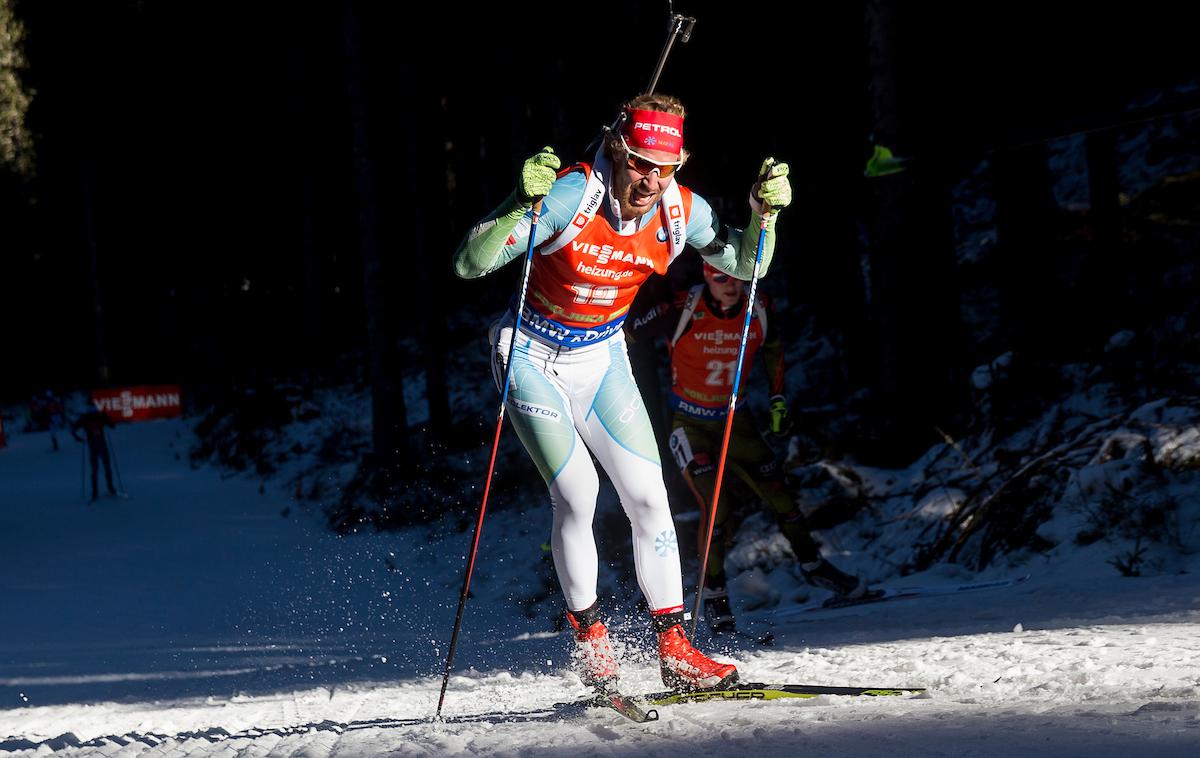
point(1035, 310)
point(1025, 210)
point(910, 257)
point(388, 413)
point(824, 271)
point(312, 344)
point(1105, 286)
point(426, 184)
point(89, 231)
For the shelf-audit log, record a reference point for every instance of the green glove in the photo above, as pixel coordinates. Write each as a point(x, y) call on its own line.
point(537, 176)
point(883, 163)
point(779, 414)
point(773, 187)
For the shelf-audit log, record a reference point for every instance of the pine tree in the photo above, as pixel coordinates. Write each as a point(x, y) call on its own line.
point(16, 143)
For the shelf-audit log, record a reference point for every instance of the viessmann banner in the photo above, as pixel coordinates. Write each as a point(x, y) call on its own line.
point(139, 403)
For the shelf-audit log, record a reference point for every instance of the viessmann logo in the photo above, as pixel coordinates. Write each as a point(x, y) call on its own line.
point(138, 403)
point(606, 253)
point(718, 336)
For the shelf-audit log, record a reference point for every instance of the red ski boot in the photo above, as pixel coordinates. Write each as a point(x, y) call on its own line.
point(593, 655)
point(682, 666)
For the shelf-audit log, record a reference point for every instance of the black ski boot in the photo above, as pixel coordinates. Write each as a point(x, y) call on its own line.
point(821, 573)
point(717, 612)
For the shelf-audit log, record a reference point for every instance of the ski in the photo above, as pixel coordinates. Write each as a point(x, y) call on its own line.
point(759, 691)
point(623, 704)
point(899, 593)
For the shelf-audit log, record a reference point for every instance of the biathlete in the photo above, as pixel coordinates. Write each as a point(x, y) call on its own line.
point(605, 227)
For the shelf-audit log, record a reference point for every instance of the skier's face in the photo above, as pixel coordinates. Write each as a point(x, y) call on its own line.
point(724, 288)
point(637, 192)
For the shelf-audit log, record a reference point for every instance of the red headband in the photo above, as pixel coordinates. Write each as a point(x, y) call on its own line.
point(654, 130)
point(711, 270)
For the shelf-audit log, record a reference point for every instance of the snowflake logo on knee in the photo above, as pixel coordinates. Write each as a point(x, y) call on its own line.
point(665, 543)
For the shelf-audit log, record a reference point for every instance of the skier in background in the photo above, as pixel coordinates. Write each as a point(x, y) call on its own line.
point(56, 418)
point(37, 420)
point(605, 227)
point(703, 329)
point(94, 423)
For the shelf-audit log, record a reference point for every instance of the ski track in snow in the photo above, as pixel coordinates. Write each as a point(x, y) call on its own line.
point(1076, 661)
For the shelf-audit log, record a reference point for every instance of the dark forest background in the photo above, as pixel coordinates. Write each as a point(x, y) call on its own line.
point(235, 194)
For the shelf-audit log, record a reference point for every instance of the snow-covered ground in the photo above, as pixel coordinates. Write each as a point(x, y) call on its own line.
point(209, 615)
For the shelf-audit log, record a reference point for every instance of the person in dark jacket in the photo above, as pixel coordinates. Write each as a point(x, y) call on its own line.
point(93, 423)
point(56, 417)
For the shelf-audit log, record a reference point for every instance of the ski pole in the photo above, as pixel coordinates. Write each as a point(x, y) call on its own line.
point(512, 344)
point(737, 380)
point(681, 29)
point(112, 451)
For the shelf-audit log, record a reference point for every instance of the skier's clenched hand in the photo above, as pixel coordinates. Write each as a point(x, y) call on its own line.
point(537, 176)
point(773, 187)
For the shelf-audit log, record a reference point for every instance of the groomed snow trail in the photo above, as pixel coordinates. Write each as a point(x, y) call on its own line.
point(193, 620)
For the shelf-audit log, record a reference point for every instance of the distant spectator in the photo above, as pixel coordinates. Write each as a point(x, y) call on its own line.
point(93, 423)
point(37, 415)
point(56, 418)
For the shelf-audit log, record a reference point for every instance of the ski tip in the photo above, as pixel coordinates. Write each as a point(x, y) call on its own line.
point(629, 707)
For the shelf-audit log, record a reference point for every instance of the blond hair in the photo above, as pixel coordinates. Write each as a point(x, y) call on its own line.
point(656, 101)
